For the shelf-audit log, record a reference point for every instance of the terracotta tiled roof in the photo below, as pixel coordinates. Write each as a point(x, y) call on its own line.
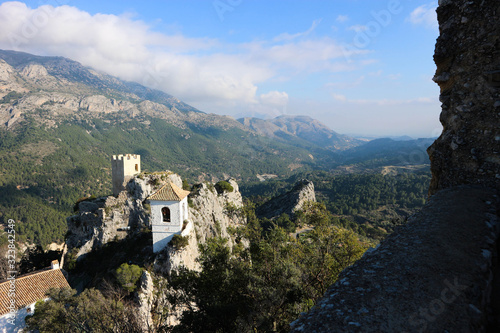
point(169, 192)
point(30, 288)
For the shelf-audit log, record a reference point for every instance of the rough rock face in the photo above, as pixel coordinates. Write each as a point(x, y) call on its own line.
point(34, 71)
point(211, 213)
point(5, 71)
point(428, 276)
point(145, 299)
point(102, 220)
point(468, 72)
point(105, 219)
point(288, 203)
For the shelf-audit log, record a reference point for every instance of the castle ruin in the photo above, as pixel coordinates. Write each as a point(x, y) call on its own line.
point(124, 167)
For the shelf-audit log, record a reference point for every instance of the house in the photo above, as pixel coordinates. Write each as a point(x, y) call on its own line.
point(18, 295)
point(169, 210)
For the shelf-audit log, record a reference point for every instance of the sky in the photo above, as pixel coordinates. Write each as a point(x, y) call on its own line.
point(362, 67)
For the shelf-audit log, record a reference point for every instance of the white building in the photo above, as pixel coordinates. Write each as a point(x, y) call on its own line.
point(123, 168)
point(18, 295)
point(169, 210)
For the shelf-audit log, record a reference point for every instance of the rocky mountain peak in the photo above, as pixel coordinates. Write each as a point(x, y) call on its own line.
point(34, 71)
point(289, 202)
point(5, 71)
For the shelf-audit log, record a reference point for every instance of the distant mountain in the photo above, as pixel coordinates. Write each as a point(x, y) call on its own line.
point(395, 138)
point(289, 127)
point(64, 70)
point(60, 122)
point(388, 152)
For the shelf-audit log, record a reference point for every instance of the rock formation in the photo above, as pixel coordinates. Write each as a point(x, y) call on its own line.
point(468, 73)
point(290, 202)
point(439, 272)
point(105, 219)
point(212, 214)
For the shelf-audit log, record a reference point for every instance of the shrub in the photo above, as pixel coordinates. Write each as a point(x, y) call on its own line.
point(223, 186)
point(127, 276)
point(179, 242)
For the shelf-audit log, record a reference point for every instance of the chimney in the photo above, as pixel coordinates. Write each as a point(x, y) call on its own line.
point(54, 264)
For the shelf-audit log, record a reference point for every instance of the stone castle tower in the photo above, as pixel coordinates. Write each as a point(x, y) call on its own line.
point(123, 168)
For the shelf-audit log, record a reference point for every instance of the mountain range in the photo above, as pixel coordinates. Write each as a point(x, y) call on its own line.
point(60, 122)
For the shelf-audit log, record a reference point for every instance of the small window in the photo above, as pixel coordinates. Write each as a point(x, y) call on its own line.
point(137, 167)
point(165, 212)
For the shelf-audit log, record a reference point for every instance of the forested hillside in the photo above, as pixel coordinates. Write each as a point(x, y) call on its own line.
point(61, 122)
point(371, 204)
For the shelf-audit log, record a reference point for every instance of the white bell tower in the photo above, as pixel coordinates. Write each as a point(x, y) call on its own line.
point(169, 210)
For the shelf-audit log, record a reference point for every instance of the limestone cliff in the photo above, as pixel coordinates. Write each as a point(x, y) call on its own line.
point(212, 213)
point(105, 219)
point(289, 202)
point(468, 72)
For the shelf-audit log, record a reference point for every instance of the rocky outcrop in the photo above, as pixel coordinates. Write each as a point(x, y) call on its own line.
point(145, 300)
point(105, 219)
point(211, 213)
point(434, 274)
point(34, 71)
point(468, 73)
point(290, 202)
point(5, 71)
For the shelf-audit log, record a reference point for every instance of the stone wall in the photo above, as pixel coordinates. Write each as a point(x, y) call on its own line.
point(124, 167)
point(467, 57)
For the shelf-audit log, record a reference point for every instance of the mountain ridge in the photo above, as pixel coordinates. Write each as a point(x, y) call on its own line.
point(303, 127)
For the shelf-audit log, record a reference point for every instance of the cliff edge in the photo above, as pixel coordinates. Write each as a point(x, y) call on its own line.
point(467, 57)
point(440, 272)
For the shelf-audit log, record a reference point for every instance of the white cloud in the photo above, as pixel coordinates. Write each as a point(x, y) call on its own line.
point(199, 71)
point(424, 15)
point(275, 98)
point(346, 84)
point(392, 102)
point(342, 18)
point(286, 36)
point(340, 98)
point(358, 28)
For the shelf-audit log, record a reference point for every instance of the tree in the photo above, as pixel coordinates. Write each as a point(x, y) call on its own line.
point(88, 312)
point(127, 276)
point(215, 298)
point(223, 186)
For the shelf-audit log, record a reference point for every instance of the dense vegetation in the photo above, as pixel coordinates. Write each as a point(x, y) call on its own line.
point(371, 204)
point(265, 286)
point(261, 287)
point(90, 311)
point(45, 170)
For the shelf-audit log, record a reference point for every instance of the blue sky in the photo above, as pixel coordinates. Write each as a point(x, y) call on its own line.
point(360, 66)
